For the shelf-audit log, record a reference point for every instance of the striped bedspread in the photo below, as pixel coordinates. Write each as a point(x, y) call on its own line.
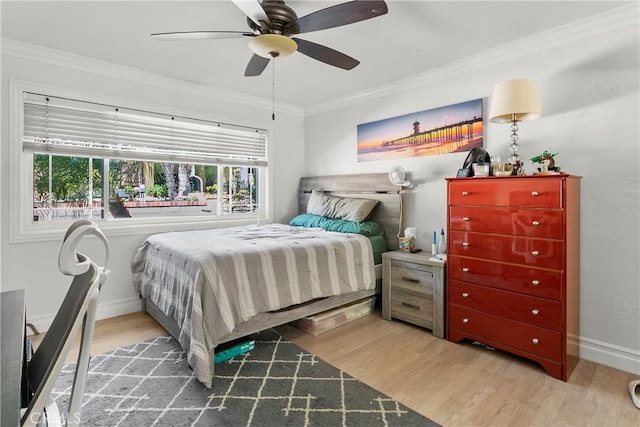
point(209, 281)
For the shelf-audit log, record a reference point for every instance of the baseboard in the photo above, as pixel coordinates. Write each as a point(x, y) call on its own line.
point(119, 308)
point(611, 355)
point(105, 311)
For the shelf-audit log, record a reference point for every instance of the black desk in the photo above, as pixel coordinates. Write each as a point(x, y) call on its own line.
point(12, 324)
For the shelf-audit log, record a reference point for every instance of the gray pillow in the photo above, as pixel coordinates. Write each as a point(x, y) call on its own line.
point(350, 209)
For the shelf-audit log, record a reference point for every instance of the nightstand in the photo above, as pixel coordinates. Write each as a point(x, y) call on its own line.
point(413, 289)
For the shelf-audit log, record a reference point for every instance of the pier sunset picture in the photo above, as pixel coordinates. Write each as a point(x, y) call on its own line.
point(443, 130)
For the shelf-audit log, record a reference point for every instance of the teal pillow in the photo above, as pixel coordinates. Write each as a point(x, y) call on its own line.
point(367, 228)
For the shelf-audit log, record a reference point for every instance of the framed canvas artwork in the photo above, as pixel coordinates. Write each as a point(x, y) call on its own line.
point(451, 129)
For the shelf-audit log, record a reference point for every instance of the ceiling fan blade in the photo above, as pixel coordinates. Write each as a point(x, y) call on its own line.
point(256, 66)
point(326, 54)
point(341, 14)
point(253, 9)
point(200, 35)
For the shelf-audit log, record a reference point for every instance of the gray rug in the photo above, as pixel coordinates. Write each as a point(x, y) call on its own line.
point(276, 384)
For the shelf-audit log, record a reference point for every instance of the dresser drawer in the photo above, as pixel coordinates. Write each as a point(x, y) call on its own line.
point(525, 308)
point(531, 192)
point(530, 251)
point(409, 307)
point(412, 277)
point(532, 281)
point(502, 332)
point(516, 221)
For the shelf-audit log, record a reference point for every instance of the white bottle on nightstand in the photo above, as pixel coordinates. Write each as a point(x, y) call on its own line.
point(442, 243)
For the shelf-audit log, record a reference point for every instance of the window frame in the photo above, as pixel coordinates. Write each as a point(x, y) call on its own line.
point(22, 229)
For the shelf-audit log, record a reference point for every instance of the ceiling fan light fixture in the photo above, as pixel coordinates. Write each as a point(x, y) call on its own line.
point(272, 45)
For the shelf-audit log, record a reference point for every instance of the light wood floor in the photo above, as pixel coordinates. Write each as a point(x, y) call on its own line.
point(452, 384)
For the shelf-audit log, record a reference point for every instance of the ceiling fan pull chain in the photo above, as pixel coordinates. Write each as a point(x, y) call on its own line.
point(273, 89)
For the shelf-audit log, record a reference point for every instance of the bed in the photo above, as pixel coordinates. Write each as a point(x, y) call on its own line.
point(209, 287)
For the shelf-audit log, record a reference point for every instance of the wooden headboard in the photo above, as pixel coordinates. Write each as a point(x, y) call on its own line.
point(374, 186)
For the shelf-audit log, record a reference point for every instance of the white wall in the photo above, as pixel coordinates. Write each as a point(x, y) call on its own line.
point(589, 89)
point(33, 266)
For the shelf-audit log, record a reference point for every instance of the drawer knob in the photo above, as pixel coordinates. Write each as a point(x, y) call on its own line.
point(535, 312)
point(535, 193)
point(465, 218)
point(465, 269)
point(535, 282)
point(535, 253)
point(535, 223)
point(465, 244)
point(465, 294)
point(465, 320)
point(464, 193)
point(535, 340)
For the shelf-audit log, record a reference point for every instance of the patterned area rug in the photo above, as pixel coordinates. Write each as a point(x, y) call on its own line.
point(276, 384)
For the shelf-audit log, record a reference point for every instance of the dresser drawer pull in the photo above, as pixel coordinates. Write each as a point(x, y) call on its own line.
point(535, 223)
point(464, 193)
point(465, 269)
point(535, 193)
point(465, 218)
point(413, 306)
point(535, 253)
point(465, 244)
point(465, 320)
point(535, 282)
point(535, 340)
point(535, 312)
point(410, 279)
point(465, 294)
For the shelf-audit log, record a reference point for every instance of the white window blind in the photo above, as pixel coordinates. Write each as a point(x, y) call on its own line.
point(75, 128)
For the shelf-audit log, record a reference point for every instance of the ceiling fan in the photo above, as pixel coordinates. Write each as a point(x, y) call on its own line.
point(272, 25)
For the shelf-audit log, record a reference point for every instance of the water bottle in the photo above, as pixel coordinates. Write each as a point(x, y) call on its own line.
point(442, 243)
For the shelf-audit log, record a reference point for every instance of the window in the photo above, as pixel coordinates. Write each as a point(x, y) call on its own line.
point(91, 160)
point(70, 188)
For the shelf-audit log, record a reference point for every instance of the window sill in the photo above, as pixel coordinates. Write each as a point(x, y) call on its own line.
point(47, 232)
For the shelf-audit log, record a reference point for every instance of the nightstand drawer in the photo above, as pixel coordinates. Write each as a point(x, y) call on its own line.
point(519, 222)
point(413, 277)
point(503, 332)
point(532, 281)
point(531, 192)
point(525, 308)
point(411, 308)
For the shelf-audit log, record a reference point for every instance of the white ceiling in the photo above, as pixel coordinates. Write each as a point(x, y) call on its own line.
point(414, 37)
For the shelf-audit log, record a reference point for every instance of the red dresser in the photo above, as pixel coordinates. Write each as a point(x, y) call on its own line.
point(513, 266)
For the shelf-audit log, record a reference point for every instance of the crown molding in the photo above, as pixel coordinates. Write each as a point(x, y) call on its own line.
point(59, 58)
point(616, 19)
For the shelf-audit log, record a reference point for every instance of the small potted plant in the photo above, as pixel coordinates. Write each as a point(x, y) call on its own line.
point(546, 161)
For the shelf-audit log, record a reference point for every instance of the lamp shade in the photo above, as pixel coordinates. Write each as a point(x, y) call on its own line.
point(272, 45)
point(515, 100)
